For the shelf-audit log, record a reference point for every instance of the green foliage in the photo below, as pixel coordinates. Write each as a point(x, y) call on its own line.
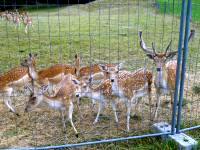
point(166, 6)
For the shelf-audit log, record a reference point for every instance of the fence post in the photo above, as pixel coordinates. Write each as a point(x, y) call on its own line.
point(184, 61)
point(182, 21)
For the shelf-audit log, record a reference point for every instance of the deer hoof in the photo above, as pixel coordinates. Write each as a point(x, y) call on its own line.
point(17, 115)
point(95, 122)
point(77, 135)
point(64, 131)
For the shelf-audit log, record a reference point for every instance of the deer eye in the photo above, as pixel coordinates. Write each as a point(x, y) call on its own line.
point(117, 71)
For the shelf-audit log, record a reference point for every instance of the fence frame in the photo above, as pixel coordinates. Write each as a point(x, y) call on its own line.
point(178, 95)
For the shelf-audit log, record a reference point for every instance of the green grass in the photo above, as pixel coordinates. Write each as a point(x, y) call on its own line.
point(196, 89)
point(166, 6)
point(140, 144)
point(59, 33)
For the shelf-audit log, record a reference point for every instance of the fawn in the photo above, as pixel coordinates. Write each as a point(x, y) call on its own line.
point(63, 99)
point(130, 86)
point(27, 21)
point(101, 93)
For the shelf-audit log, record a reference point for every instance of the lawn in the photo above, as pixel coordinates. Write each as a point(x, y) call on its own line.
point(104, 31)
point(166, 6)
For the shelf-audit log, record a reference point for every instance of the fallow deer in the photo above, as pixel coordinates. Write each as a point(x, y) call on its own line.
point(101, 93)
point(165, 78)
point(63, 99)
point(16, 77)
point(130, 86)
point(87, 71)
point(8, 16)
point(16, 19)
point(49, 76)
point(27, 21)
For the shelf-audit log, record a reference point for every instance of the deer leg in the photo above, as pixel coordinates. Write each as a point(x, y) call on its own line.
point(114, 110)
point(99, 111)
point(78, 107)
point(157, 105)
point(71, 108)
point(128, 115)
point(150, 99)
point(63, 119)
point(26, 29)
point(172, 100)
point(8, 101)
point(93, 103)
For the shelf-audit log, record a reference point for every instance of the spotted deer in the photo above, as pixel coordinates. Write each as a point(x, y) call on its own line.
point(8, 16)
point(2, 14)
point(15, 78)
point(86, 71)
point(16, 19)
point(165, 77)
point(130, 86)
point(63, 99)
point(50, 76)
point(94, 70)
point(27, 21)
point(101, 93)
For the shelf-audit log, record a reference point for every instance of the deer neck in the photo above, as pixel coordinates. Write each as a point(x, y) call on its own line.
point(53, 103)
point(32, 72)
point(116, 87)
point(161, 79)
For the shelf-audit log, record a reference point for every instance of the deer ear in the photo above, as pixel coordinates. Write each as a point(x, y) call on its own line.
point(35, 55)
point(76, 56)
point(103, 67)
point(170, 55)
point(120, 66)
point(150, 56)
point(30, 55)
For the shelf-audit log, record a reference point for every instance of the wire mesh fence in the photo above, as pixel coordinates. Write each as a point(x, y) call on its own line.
point(102, 31)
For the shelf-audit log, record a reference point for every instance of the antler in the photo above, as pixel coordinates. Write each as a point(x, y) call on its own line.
point(153, 47)
point(169, 45)
point(143, 45)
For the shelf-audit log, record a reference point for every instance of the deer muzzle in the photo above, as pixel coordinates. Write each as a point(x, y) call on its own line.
point(158, 69)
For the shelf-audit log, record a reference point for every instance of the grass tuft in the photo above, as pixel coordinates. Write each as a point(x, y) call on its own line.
point(196, 89)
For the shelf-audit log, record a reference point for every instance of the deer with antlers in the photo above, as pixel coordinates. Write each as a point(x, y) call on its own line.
point(63, 99)
point(15, 78)
point(130, 86)
point(165, 78)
